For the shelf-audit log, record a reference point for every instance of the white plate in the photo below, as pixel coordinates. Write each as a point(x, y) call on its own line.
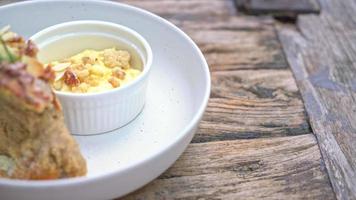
point(126, 159)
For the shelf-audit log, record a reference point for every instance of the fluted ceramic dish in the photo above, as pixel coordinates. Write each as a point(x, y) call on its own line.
point(100, 112)
point(125, 159)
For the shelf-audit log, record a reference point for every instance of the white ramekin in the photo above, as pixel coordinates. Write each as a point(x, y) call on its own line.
point(94, 113)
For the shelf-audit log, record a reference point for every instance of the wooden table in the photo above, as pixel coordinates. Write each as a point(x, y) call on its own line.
point(255, 140)
point(278, 90)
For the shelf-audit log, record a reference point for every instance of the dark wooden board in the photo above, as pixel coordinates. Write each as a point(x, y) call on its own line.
point(278, 7)
point(323, 58)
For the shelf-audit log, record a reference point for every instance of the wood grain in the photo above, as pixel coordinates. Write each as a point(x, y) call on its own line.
point(228, 41)
point(237, 42)
point(277, 168)
point(248, 104)
point(322, 57)
point(186, 9)
point(234, 49)
point(4, 2)
point(279, 7)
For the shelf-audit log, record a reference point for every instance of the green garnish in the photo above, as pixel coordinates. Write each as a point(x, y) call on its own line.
point(10, 56)
point(1, 58)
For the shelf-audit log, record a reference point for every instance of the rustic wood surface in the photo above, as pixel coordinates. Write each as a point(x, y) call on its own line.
point(269, 168)
point(3, 2)
point(322, 56)
point(248, 104)
point(237, 43)
point(255, 140)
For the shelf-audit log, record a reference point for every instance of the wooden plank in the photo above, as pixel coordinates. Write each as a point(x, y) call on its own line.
point(277, 168)
point(252, 104)
point(186, 9)
point(279, 7)
point(232, 23)
point(4, 2)
point(234, 49)
point(323, 60)
point(237, 42)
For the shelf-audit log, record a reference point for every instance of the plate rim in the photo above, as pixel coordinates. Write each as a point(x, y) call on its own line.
point(180, 136)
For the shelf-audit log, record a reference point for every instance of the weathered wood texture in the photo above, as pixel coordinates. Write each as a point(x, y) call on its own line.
point(228, 41)
point(249, 104)
point(253, 95)
point(277, 168)
point(231, 47)
point(3, 2)
point(323, 58)
point(186, 9)
point(278, 7)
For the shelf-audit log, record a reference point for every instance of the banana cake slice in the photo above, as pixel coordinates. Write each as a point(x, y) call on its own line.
point(34, 141)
